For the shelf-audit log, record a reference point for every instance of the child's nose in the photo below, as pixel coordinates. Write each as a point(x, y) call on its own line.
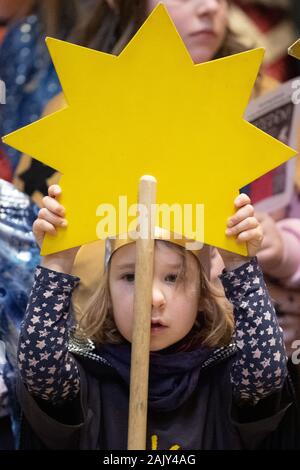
point(158, 298)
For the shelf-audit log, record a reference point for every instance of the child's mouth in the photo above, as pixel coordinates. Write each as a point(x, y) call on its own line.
point(157, 327)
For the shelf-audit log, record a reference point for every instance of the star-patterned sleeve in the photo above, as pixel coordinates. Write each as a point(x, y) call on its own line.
point(260, 366)
point(46, 367)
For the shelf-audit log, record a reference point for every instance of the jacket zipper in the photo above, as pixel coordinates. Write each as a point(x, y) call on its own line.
point(84, 350)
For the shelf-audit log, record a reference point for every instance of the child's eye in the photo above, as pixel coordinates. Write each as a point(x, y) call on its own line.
point(172, 278)
point(129, 277)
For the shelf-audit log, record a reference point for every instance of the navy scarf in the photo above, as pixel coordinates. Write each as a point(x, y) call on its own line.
point(173, 375)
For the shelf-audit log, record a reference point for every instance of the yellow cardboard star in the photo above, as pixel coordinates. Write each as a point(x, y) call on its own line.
point(150, 110)
point(294, 49)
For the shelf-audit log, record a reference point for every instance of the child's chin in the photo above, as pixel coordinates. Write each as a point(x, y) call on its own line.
point(156, 345)
point(156, 349)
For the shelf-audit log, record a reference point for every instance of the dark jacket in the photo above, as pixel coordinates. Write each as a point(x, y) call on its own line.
point(207, 420)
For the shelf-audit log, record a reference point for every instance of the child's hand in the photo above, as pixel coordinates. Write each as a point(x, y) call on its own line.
point(245, 227)
point(49, 218)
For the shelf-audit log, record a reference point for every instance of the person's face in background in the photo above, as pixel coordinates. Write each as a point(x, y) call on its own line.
point(201, 24)
point(12, 9)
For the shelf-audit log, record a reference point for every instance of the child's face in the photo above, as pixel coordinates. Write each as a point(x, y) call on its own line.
point(201, 24)
point(174, 301)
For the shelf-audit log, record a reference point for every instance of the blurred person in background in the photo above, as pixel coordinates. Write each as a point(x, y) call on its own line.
point(25, 64)
point(31, 81)
point(18, 256)
point(269, 24)
point(275, 25)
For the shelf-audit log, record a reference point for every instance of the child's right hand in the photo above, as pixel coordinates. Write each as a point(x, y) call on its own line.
point(49, 218)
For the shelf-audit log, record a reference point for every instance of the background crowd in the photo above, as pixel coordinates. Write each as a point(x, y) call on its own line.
point(33, 90)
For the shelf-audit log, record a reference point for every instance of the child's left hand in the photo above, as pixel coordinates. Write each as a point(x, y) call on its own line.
point(245, 227)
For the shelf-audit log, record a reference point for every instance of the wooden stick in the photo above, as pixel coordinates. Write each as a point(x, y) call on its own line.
point(139, 373)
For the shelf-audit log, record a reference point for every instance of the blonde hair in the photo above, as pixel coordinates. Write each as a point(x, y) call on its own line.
point(213, 325)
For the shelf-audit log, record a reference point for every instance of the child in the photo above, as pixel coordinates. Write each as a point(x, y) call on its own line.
point(208, 387)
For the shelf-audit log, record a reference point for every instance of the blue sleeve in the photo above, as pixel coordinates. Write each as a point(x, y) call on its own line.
point(46, 367)
point(260, 367)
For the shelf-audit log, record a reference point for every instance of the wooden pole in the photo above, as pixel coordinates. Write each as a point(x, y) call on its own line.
point(139, 373)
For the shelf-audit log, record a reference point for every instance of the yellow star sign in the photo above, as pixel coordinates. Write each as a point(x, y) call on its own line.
point(150, 110)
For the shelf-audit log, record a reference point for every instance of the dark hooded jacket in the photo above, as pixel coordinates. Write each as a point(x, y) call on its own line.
point(191, 407)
